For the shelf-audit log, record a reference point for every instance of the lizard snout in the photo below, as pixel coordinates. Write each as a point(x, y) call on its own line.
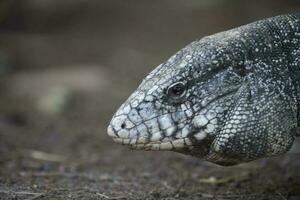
point(120, 129)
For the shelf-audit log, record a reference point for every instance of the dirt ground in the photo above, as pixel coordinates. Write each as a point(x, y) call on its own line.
point(64, 70)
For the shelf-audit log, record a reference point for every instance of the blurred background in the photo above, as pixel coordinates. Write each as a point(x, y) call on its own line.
point(66, 66)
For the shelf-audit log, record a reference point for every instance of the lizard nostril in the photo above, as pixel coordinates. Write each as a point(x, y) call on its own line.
point(123, 125)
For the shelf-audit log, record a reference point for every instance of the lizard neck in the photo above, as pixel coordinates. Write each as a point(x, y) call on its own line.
point(291, 46)
point(286, 31)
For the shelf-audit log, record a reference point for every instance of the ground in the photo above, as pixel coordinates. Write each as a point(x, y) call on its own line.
point(66, 66)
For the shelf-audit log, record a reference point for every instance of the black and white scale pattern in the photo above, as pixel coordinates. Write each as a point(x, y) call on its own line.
point(228, 98)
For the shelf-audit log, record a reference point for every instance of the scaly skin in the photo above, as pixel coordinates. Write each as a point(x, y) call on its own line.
point(228, 98)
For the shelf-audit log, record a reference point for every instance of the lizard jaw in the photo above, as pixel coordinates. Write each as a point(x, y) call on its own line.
point(139, 144)
point(143, 143)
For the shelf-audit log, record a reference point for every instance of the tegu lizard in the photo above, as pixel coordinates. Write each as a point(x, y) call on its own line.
point(228, 98)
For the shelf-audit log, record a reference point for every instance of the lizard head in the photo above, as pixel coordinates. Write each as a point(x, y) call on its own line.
point(180, 105)
point(228, 98)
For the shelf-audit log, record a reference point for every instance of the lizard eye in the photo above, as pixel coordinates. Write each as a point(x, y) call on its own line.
point(176, 90)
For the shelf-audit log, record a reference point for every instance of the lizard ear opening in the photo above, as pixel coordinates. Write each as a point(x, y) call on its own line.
point(240, 70)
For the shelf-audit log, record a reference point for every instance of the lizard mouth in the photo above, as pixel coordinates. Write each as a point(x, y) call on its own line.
point(140, 144)
point(144, 143)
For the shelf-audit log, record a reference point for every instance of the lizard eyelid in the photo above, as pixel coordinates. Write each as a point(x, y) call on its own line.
point(176, 90)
